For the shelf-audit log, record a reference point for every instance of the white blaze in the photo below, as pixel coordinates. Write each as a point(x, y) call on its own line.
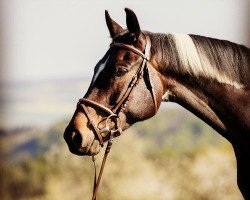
point(100, 69)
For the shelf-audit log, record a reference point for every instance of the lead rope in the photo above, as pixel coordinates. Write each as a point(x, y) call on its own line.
point(93, 159)
point(107, 150)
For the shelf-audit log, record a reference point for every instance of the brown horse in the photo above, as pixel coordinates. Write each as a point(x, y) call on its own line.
point(208, 77)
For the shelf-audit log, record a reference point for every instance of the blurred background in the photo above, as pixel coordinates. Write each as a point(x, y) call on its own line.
point(47, 54)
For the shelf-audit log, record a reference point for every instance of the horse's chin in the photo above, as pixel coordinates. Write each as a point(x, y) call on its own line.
point(94, 148)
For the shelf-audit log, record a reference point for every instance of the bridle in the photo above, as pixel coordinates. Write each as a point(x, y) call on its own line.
point(119, 107)
point(113, 114)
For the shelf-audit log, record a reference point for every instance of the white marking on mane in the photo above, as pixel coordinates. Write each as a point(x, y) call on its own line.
point(196, 64)
point(100, 68)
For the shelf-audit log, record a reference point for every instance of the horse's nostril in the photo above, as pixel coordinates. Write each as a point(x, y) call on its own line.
point(77, 139)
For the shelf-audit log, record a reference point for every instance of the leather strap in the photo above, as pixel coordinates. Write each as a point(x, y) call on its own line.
point(143, 68)
point(92, 123)
point(97, 182)
point(138, 74)
point(130, 48)
point(95, 104)
point(151, 89)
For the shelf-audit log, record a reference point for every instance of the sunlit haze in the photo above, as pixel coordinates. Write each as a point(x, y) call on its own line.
point(50, 47)
point(66, 38)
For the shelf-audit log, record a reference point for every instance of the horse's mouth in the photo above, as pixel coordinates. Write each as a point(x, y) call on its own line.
point(94, 148)
point(90, 150)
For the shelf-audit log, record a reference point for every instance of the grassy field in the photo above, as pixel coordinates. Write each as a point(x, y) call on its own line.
point(173, 156)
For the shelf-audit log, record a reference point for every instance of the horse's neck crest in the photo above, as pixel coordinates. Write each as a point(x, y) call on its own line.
point(195, 62)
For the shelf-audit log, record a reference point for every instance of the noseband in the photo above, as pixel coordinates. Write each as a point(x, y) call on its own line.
point(113, 114)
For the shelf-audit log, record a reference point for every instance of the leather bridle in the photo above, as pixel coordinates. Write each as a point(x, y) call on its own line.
point(113, 114)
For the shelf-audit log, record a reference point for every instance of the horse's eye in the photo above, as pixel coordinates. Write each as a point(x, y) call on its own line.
point(121, 71)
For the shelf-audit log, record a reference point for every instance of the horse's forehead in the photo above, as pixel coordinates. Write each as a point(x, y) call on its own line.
point(111, 59)
point(122, 37)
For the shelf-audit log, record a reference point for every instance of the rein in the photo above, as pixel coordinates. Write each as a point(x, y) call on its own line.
point(113, 114)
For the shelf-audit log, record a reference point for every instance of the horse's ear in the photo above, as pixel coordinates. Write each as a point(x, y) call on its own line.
point(113, 27)
point(132, 23)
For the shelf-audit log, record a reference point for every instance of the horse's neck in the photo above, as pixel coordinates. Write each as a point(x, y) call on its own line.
point(224, 108)
point(221, 106)
point(212, 80)
point(220, 60)
point(208, 77)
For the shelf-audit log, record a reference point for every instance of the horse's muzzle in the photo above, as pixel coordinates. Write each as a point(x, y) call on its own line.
point(75, 142)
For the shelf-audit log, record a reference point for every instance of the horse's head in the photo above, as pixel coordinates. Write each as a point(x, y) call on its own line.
point(126, 88)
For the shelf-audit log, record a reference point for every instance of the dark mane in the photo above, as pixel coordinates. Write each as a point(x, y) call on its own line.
point(229, 59)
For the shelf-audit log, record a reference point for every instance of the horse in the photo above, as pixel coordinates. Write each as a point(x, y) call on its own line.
point(207, 76)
